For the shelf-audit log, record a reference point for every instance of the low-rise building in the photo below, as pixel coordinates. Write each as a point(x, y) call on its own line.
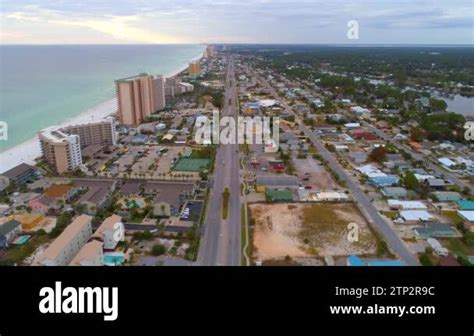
point(168, 197)
point(435, 230)
point(465, 205)
point(406, 205)
point(98, 194)
point(437, 247)
point(415, 216)
point(30, 221)
point(467, 216)
point(22, 173)
point(394, 192)
point(447, 196)
point(8, 232)
point(356, 261)
point(276, 182)
point(107, 233)
point(384, 181)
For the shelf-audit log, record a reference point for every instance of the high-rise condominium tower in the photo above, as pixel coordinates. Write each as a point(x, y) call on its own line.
point(138, 97)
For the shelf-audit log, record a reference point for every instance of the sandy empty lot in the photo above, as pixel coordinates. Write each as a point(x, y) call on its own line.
point(304, 230)
point(320, 179)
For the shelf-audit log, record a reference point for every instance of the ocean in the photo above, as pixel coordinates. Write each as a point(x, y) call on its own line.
point(41, 86)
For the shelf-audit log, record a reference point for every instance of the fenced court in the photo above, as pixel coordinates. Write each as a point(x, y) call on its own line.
point(191, 165)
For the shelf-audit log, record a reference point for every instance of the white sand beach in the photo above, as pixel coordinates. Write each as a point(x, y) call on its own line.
point(29, 150)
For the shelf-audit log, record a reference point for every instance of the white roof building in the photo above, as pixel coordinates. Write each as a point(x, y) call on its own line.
point(437, 247)
point(415, 215)
point(359, 110)
point(352, 125)
point(467, 215)
point(370, 171)
point(267, 102)
point(423, 177)
point(407, 205)
point(446, 162)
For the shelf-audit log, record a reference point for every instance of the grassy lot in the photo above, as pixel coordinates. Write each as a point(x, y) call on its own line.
point(390, 214)
point(17, 253)
point(225, 203)
point(322, 219)
point(453, 217)
point(458, 247)
point(323, 223)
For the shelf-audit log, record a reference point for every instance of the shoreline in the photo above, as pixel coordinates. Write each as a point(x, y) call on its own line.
point(29, 150)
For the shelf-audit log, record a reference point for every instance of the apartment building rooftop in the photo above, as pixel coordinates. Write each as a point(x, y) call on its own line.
point(57, 190)
point(87, 253)
point(65, 237)
point(107, 224)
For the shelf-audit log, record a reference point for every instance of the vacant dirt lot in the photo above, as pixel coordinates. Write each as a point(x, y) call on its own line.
point(320, 179)
point(304, 230)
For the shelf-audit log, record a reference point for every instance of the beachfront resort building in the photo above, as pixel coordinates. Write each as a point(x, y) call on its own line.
point(194, 69)
point(95, 133)
point(138, 97)
point(60, 150)
point(174, 87)
point(210, 52)
point(64, 248)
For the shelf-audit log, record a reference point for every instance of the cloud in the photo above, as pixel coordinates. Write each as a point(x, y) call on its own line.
point(215, 21)
point(119, 28)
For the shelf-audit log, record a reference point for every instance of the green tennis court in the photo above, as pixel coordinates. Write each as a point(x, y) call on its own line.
point(191, 165)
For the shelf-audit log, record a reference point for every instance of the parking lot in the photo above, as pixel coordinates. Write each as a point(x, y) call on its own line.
point(312, 173)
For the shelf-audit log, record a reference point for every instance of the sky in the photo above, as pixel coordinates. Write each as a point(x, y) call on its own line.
point(236, 21)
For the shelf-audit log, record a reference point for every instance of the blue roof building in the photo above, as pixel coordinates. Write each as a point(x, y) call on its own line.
point(356, 261)
point(465, 204)
point(384, 181)
point(435, 230)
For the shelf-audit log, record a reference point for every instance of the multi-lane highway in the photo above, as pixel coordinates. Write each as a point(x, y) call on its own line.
point(221, 242)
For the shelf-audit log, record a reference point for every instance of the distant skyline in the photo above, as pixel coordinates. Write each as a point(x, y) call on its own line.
point(228, 21)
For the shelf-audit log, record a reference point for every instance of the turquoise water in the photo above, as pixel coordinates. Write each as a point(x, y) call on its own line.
point(114, 259)
point(139, 204)
point(21, 240)
point(42, 86)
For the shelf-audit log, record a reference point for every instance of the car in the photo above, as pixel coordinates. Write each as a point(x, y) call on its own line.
point(308, 187)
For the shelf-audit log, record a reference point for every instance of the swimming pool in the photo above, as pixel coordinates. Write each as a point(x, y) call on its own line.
point(21, 240)
point(139, 204)
point(114, 259)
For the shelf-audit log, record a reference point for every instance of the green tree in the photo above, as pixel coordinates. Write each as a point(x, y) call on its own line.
point(425, 260)
point(158, 250)
point(410, 181)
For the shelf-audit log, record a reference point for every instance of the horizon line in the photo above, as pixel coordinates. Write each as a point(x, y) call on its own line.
point(242, 44)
